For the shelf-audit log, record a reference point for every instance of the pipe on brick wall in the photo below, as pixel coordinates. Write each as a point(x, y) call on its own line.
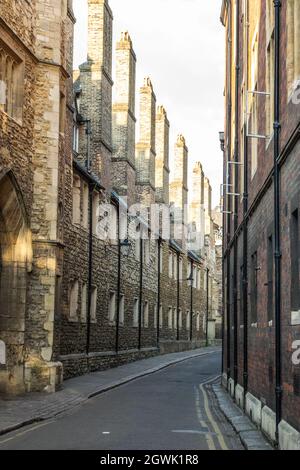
point(207, 306)
point(245, 229)
point(228, 181)
point(277, 242)
point(236, 187)
point(178, 297)
point(158, 291)
point(191, 312)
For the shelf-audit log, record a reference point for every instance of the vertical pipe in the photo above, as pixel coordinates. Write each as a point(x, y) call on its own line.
point(245, 269)
point(158, 291)
point(141, 292)
point(191, 312)
point(90, 269)
point(178, 297)
point(277, 244)
point(245, 224)
point(118, 284)
point(236, 187)
point(90, 254)
point(207, 305)
point(223, 271)
point(228, 181)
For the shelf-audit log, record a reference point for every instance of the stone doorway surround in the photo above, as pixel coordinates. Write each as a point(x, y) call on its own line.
point(15, 261)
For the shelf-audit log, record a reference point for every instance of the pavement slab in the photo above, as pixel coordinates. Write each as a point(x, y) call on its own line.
point(251, 437)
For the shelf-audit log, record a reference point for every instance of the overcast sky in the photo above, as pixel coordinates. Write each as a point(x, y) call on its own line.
point(180, 45)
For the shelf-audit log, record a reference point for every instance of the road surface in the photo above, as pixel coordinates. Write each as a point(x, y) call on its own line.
point(173, 409)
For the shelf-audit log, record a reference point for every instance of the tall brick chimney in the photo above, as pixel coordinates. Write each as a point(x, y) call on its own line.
point(179, 191)
point(123, 161)
point(145, 149)
point(179, 184)
point(162, 171)
point(197, 212)
point(207, 206)
point(96, 85)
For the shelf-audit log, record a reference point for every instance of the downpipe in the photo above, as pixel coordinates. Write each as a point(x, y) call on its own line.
point(277, 242)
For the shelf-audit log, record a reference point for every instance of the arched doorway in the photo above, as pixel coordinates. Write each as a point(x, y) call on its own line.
point(15, 254)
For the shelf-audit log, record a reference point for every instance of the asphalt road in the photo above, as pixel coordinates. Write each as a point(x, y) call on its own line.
point(170, 410)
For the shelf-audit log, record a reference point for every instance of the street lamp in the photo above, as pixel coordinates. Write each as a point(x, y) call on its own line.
point(124, 247)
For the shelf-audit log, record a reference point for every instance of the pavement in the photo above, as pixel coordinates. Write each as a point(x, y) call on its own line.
point(133, 408)
point(251, 437)
point(36, 407)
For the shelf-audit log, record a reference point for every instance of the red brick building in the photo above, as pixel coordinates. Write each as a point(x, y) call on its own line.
point(261, 213)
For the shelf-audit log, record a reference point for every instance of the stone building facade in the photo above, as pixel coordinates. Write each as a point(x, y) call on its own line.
point(73, 298)
point(261, 203)
point(35, 120)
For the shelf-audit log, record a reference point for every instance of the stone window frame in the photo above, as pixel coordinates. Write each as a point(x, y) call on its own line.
point(12, 69)
point(170, 265)
point(136, 307)
point(112, 307)
point(122, 310)
point(188, 320)
point(74, 300)
point(146, 309)
point(180, 319)
point(198, 321)
point(94, 304)
point(84, 302)
point(161, 316)
point(76, 199)
point(175, 325)
point(170, 318)
point(181, 269)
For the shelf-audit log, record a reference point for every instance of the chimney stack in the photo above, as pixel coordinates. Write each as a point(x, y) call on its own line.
point(162, 171)
point(124, 121)
point(145, 149)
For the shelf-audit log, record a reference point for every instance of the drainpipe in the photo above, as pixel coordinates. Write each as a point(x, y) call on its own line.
point(191, 313)
point(141, 293)
point(207, 305)
point(178, 297)
point(90, 268)
point(228, 181)
point(236, 186)
point(90, 254)
point(245, 232)
point(277, 243)
point(158, 291)
point(222, 143)
point(118, 285)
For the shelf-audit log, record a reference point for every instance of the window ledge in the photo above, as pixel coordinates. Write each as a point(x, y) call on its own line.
point(270, 323)
point(254, 325)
